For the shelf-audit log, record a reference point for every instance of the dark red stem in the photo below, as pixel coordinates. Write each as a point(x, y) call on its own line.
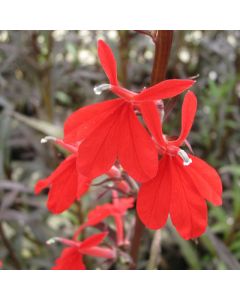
point(163, 43)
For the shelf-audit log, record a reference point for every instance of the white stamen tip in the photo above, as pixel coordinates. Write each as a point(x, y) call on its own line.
point(102, 87)
point(47, 138)
point(186, 159)
point(52, 241)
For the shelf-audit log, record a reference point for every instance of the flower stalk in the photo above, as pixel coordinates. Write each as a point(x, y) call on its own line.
point(163, 43)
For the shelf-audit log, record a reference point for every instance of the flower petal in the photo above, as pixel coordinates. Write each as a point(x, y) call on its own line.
point(83, 184)
point(66, 185)
point(206, 180)
point(154, 197)
point(124, 204)
point(188, 210)
point(137, 153)
point(152, 119)
point(63, 190)
point(64, 165)
point(70, 259)
point(100, 213)
point(189, 109)
point(100, 252)
point(85, 120)
point(164, 89)
point(119, 229)
point(98, 152)
point(108, 61)
point(93, 240)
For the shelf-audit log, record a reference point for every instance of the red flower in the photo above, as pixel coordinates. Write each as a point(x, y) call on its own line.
point(182, 184)
point(72, 257)
point(117, 209)
point(110, 130)
point(66, 183)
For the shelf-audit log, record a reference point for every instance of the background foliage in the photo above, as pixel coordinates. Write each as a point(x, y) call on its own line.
point(45, 75)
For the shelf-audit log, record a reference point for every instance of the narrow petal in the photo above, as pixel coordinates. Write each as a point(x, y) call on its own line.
point(98, 152)
point(107, 61)
point(100, 252)
point(83, 184)
point(152, 119)
point(154, 197)
point(164, 89)
point(119, 229)
point(83, 121)
point(100, 213)
point(41, 184)
point(44, 183)
point(188, 210)
point(64, 187)
point(206, 180)
point(93, 240)
point(124, 204)
point(137, 152)
point(189, 109)
point(70, 259)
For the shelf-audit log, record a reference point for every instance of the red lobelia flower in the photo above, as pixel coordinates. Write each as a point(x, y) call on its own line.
point(66, 183)
point(71, 257)
point(117, 209)
point(182, 184)
point(110, 130)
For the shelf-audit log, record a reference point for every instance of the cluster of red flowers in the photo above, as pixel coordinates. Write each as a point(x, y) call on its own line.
point(108, 137)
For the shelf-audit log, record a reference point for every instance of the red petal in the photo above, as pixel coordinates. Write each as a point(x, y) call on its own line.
point(119, 229)
point(41, 184)
point(70, 259)
point(69, 162)
point(206, 180)
point(107, 61)
point(98, 152)
point(93, 240)
point(64, 166)
point(137, 152)
point(83, 185)
point(188, 210)
point(189, 109)
point(98, 214)
point(63, 191)
point(65, 185)
point(100, 252)
point(165, 89)
point(152, 119)
point(154, 197)
point(124, 204)
point(83, 121)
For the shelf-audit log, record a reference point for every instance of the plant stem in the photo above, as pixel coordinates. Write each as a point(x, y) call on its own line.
point(124, 39)
point(163, 42)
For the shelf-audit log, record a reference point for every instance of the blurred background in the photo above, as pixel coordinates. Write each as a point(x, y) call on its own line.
point(45, 75)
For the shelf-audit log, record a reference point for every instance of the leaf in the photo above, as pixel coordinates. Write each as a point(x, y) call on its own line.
point(41, 126)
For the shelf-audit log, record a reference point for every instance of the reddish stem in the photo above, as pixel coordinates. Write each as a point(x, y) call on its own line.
point(163, 42)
